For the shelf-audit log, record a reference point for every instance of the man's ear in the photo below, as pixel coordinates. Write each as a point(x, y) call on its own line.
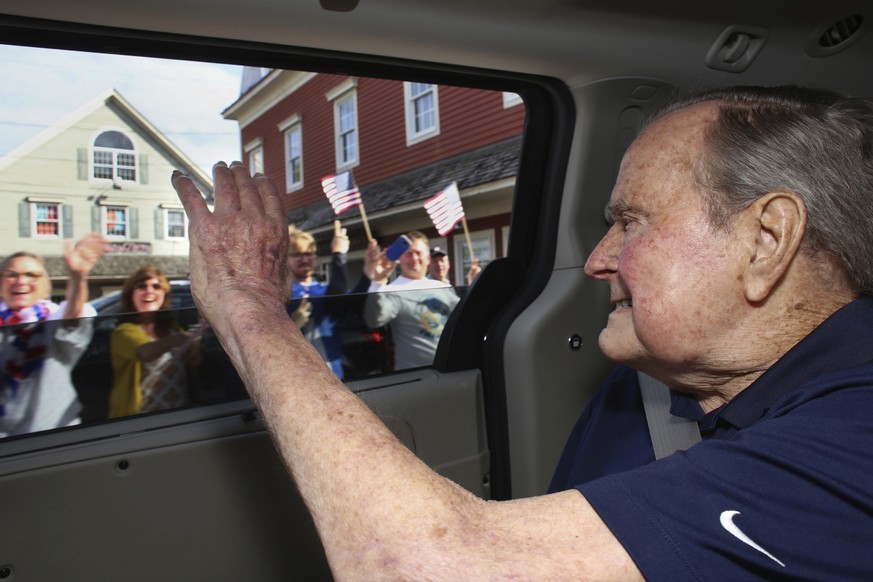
point(779, 219)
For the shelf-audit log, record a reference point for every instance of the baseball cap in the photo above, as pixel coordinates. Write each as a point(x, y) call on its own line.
point(437, 252)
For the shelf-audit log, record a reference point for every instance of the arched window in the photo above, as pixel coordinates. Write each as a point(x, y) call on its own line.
point(113, 157)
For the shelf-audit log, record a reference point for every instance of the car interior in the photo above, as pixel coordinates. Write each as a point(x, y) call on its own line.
point(199, 493)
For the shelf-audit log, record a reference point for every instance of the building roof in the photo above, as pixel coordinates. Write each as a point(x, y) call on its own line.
point(481, 166)
point(109, 96)
point(120, 266)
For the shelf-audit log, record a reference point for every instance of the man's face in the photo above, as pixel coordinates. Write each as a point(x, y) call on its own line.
point(674, 280)
point(439, 267)
point(301, 262)
point(413, 263)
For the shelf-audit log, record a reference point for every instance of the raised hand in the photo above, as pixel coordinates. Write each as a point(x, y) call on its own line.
point(237, 256)
point(80, 259)
point(474, 271)
point(377, 267)
point(301, 315)
point(340, 242)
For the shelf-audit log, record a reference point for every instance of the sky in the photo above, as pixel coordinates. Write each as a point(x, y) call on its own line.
point(184, 100)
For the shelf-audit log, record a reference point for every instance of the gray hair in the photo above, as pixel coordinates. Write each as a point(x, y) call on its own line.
point(815, 143)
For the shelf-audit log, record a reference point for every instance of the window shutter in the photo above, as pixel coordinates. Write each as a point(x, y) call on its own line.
point(143, 168)
point(82, 158)
point(95, 220)
point(67, 213)
point(159, 223)
point(24, 219)
point(134, 222)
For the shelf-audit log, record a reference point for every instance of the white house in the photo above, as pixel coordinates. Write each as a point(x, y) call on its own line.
point(103, 168)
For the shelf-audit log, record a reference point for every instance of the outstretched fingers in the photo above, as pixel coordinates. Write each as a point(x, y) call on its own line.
point(270, 199)
point(234, 190)
point(247, 191)
point(191, 198)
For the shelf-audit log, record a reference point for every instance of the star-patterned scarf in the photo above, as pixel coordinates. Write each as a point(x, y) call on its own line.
point(25, 354)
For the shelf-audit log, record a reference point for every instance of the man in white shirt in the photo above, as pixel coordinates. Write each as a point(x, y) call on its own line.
point(414, 307)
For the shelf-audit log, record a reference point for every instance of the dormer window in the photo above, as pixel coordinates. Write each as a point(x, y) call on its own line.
point(113, 157)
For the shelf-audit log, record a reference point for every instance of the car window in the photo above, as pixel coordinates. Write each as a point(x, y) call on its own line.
point(89, 142)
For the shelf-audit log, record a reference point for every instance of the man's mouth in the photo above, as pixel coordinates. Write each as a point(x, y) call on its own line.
point(624, 303)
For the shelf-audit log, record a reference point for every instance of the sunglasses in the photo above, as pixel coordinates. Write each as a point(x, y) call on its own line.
point(13, 276)
point(144, 286)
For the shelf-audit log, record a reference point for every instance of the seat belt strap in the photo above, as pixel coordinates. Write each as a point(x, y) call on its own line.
point(669, 433)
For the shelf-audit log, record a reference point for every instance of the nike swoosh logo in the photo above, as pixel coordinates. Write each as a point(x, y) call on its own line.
point(727, 522)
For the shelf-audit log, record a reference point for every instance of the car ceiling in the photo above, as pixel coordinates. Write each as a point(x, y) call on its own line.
point(578, 41)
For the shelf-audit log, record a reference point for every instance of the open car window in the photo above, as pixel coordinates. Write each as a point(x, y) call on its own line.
point(90, 141)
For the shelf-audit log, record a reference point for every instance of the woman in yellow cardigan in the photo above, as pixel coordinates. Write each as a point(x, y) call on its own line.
point(150, 353)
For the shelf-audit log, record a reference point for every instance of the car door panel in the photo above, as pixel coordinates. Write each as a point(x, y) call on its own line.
point(201, 494)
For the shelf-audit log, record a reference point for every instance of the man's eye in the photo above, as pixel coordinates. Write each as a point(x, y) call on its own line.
point(629, 223)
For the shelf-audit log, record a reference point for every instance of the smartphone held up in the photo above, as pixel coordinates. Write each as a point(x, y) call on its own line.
point(398, 247)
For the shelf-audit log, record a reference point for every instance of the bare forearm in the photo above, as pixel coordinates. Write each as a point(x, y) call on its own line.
point(350, 469)
point(77, 295)
point(155, 349)
point(380, 512)
point(80, 259)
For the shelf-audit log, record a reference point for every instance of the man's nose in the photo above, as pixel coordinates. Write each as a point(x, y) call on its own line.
point(603, 260)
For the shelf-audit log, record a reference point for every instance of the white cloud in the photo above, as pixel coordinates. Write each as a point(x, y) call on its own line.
point(184, 100)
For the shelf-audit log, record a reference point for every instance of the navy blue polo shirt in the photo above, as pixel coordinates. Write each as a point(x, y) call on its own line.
point(780, 487)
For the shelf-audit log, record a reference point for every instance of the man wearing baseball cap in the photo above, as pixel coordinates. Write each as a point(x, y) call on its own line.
point(438, 268)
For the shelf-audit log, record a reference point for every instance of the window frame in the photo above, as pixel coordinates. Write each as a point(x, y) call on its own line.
point(411, 112)
point(511, 100)
point(35, 221)
point(172, 209)
point(292, 125)
point(546, 145)
point(104, 221)
point(345, 93)
point(482, 237)
point(114, 166)
point(255, 157)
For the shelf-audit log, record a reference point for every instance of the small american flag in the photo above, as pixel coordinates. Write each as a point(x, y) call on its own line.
point(341, 191)
point(445, 209)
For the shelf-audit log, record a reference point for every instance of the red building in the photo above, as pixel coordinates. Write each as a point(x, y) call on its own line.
point(403, 142)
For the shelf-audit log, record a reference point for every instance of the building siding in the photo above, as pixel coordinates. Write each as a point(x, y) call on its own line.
point(469, 118)
point(51, 171)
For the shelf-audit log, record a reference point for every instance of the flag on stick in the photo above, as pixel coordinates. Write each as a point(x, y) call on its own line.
point(341, 191)
point(445, 209)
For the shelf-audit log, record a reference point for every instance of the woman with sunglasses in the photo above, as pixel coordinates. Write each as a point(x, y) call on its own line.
point(38, 349)
point(150, 353)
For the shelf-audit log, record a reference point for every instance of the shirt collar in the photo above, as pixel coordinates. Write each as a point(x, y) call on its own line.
point(843, 340)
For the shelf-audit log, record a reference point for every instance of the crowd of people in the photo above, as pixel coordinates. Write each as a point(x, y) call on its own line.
point(155, 361)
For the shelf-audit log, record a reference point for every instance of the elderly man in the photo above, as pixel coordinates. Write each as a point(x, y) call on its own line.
point(739, 267)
